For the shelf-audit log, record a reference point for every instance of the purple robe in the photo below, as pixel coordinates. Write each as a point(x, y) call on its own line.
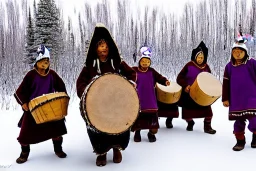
point(239, 88)
point(34, 85)
point(187, 76)
point(146, 81)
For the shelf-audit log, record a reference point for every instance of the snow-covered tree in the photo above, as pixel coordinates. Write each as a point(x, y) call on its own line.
point(47, 28)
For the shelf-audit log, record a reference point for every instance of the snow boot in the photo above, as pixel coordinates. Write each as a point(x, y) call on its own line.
point(239, 145)
point(253, 144)
point(151, 137)
point(117, 156)
point(137, 137)
point(208, 129)
point(190, 125)
point(101, 160)
point(168, 123)
point(23, 155)
point(58, 148)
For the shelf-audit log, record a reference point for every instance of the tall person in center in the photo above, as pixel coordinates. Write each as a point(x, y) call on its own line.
point(186, 78)
point(103, 57)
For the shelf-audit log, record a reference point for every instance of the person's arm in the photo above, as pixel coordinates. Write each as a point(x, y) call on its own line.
point(159, 78)
point(22, 94)
point(82, 81)
point(181, 78)
point(59, 84)
point(226, 88)
point(128, 72)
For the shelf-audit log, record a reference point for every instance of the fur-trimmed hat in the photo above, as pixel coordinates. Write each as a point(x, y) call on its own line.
point(240, 43)
point(144, 52)
point(42, 52)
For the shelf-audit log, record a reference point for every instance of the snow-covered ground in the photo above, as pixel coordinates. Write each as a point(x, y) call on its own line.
point(175, 149)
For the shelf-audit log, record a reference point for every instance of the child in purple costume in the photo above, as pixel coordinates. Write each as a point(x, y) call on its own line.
point(147, 77)
point(40, 80)
point(239, 93)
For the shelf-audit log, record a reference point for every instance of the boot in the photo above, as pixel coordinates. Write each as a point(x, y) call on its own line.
point(101, 160)
point(117, 156)
point(137, 137)
point(58, 148)
point(208, 129)
point(151, 137)
point(239, 145)
point(253, 144)
point(23, 155)
point(168, 123)
point(190, 125)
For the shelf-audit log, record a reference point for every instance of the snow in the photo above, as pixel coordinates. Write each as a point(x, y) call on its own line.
point(175, 149)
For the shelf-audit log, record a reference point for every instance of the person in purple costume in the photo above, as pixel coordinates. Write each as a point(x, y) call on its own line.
point(147, 77)
point(239, 93)
point(186, 78)
point(38, 81)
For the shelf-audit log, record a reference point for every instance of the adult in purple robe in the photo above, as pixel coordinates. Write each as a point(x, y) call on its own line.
point(186, 78)
point(239, 93)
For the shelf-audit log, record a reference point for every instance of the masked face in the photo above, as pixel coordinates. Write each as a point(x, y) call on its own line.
point(43, 64)
point(145, 62)
point(200, 58)
point(238, 54)
point(102, 51)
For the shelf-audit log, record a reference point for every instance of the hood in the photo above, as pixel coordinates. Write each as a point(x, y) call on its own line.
point(101, 32)
point(200, 47)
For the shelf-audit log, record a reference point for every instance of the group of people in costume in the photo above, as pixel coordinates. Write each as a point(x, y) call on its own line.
point(103, 57)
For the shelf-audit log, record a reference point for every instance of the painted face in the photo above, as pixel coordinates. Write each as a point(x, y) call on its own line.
point(238, 54)
point(43, 64)
point(102, 50)
point(145, 62)
point(200, 58)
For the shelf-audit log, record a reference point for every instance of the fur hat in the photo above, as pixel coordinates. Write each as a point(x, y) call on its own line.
point(145, 52)
point(42, 52)
point(240, 43)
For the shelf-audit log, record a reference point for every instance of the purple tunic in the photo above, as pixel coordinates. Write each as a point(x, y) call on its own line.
point(146, 90)
point(239, 88)
point(148, 118)
point(42, 85)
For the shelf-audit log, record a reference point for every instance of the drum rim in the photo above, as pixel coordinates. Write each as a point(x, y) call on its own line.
point(42, 103)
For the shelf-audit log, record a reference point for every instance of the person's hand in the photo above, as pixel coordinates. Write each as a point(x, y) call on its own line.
point(167, 83)
point(25, 107)
point(187, 89)
point(226, 103)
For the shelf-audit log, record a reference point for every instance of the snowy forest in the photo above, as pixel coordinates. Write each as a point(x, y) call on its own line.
point(24, 26)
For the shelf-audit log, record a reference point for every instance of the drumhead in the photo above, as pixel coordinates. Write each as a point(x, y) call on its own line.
point(112, 104)
point(209, 84)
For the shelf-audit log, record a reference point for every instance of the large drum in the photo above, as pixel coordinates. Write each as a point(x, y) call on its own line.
point(110, 104)
point(206, 89)
point(168, 94)
point(49, 107)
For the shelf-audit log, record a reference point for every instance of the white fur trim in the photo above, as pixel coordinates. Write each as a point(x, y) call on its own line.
point(240, 45)
point(112, 64)
point(100, 25)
